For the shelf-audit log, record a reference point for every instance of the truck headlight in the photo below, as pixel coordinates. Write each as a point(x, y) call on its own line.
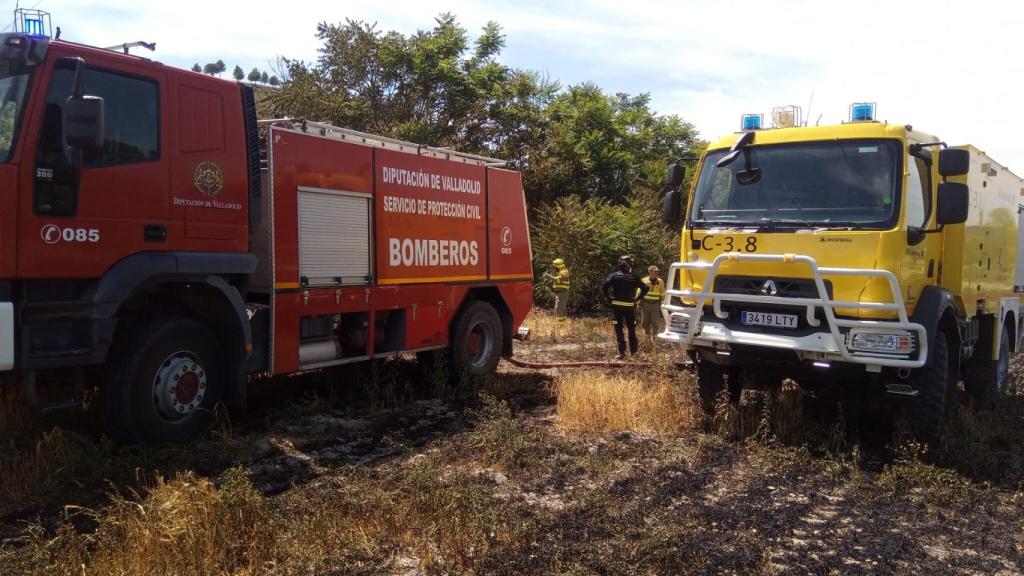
point(679, 323)
point(896, 342)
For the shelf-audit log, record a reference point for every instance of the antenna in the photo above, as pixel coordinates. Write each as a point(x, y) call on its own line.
point(809, 103)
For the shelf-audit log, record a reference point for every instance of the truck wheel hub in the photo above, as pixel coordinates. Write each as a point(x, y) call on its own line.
point(179, 386)
point(479, 344)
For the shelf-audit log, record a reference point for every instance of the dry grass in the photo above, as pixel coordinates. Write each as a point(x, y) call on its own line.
point(185, 526)
point(434, 509)
point(599, 403)
point(546, 329)
point(22, 472)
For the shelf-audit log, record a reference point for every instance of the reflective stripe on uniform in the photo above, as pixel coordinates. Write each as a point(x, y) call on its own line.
point(621, 303)
point(657, 290)
point(561, 281)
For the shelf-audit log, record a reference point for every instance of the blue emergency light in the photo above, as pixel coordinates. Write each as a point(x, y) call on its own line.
point(752, 122)
point(34, 26)
point(862, 112)
point(32, 22)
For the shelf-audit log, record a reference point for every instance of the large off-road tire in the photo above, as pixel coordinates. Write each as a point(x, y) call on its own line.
point(752, 378)
point(928, 411)
point(476, 342)
point(711, 380)
point(163, 382)
point(986, 379)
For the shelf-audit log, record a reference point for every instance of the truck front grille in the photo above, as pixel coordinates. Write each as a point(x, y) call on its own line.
point(786, 287)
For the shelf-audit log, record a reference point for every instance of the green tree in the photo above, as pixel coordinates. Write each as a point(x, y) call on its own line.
point(197, 68)
point(605, 146)
point(238, 74)
point(437, 87)
point(254, 75)
point(264, 78)
point(215, 68)
point(430, 87)
point(510, 124)
point(273, 81)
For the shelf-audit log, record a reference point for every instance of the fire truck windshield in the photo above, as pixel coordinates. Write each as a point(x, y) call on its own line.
point(846, 183)
point(14, 77)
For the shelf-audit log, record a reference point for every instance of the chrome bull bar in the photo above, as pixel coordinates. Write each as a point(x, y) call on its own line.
point(830, 345)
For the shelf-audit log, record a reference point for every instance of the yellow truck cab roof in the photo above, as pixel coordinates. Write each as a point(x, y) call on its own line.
point(851, 130)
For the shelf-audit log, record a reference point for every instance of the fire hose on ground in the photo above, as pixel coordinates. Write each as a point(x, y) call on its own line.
point(577, 364)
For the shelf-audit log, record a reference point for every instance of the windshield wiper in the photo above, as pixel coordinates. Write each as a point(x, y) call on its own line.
point(771, 225)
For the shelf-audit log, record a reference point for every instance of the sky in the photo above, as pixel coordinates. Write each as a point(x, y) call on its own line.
point(953, 69)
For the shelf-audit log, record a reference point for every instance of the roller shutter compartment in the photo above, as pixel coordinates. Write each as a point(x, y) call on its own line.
point(334, 237)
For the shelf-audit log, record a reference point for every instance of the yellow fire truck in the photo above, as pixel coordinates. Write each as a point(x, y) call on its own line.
point(864, 254)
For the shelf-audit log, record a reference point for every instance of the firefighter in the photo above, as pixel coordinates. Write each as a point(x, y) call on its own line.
point(623, 290)
point(560, 286)
point(650, 307)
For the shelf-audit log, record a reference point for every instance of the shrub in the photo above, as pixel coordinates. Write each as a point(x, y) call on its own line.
point(590, 236)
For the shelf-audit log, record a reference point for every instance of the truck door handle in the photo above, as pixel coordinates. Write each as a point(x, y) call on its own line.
point(155, 233)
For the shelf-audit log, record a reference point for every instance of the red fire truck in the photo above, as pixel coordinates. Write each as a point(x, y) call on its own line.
point(157, 235)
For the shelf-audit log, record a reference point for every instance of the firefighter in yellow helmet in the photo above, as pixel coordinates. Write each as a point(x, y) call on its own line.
point(559, 285)
point(650, 307)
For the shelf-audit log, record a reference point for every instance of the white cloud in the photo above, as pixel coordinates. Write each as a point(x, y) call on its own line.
point(951, 68)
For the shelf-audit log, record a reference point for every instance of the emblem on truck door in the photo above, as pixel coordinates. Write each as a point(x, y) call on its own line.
point(208, 178)
point(506, 240)
point(52, 234)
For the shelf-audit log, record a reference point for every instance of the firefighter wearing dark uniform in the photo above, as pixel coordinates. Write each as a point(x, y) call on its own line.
point(623, 290)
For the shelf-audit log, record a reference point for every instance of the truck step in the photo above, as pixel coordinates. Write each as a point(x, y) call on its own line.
point(32, 394)
point(901, 390)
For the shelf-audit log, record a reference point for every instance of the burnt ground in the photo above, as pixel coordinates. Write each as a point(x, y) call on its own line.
point(359, 472)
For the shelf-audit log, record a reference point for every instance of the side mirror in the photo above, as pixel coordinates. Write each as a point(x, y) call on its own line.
point(671, 206)
point(83, 122)
point(83, 115)
point(954, 162)
point(748, 177)
point(953, 203)
point(676, 173)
